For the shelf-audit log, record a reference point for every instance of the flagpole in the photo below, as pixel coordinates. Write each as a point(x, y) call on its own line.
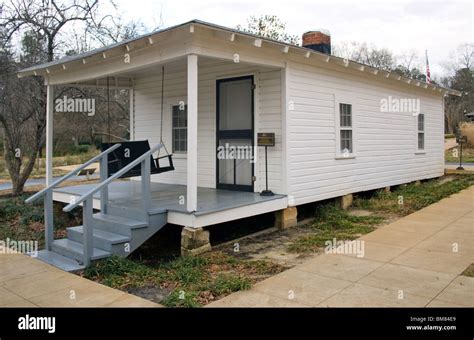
point(428, 75)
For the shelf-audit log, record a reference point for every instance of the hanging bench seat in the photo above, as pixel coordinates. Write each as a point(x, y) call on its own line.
point(131, 150)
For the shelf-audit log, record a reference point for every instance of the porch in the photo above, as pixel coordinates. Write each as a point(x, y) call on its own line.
point(193, 101)
point(190, 100)
point(213, 205)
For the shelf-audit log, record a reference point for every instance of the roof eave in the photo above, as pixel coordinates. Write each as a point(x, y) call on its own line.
point(42, 69)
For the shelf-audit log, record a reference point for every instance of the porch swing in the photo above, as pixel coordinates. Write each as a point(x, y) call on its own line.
point(131, 150)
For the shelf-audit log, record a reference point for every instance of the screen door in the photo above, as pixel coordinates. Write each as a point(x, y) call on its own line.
point(235, 133)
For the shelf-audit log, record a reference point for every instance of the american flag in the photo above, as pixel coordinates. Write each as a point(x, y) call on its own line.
point(428, 76)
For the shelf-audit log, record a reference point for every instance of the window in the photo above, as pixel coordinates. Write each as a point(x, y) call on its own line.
point(180, 129)
point(421, 131)
point(345, 128)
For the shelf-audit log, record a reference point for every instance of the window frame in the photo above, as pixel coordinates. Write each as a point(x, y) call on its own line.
point(421, 131)
point(347, 100)
point(174, 128)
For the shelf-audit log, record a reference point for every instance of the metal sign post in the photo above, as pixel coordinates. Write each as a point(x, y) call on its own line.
point(266, 140)
point(461, 140)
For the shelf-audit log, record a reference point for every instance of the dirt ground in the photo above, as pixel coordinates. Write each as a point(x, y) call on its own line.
point(272, 243)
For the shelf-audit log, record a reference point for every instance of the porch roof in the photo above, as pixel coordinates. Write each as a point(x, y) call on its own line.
point(257, 41)
point(42, 68)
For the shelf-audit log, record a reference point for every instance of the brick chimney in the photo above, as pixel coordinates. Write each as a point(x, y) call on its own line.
point(319, 40)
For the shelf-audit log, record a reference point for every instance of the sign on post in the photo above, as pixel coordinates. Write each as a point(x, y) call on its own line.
point(460, 140)
point(266, 139)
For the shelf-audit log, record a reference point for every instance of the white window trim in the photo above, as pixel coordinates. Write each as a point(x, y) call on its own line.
point(177, 154)
point(345, 99)
point(418, 150)
point(180, 155)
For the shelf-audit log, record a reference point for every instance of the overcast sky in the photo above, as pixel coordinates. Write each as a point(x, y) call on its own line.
point(404, 25)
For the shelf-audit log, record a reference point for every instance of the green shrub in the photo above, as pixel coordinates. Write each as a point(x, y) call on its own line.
point(12, 207)
point(31, 216)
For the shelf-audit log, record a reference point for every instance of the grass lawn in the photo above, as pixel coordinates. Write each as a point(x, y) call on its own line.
point(39, 172)
point(453, 155)
point(35, 174)
point(189, 281)
point(332, 222)
point(406, 199)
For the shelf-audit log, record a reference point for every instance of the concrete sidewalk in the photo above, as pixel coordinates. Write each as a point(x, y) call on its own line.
point(409, 263)
point(28, 282)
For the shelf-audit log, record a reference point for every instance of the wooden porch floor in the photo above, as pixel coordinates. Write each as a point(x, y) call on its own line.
point(166, 197)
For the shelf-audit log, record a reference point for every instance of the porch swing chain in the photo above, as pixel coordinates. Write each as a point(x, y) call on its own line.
point(162, 103)
point(161, 119)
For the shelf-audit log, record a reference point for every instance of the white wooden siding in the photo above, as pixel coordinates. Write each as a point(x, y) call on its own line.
point(385, 143)
point(269, 119)
point(147, 92)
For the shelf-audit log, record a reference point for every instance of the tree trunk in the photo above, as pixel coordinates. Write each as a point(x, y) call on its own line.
point(14, 163)
point(18, 186)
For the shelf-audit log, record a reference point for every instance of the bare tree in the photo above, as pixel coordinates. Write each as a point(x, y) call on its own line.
point(461, 68)
point(46, 18)
point(22, 119)
point(74, 128)
point(268, 26)
point(461, 76)
point(407, 60)
point(115, 29)
point(408, 66)
point(112, 105)
point(361, 52)
point(462, 58)
point(40, 23)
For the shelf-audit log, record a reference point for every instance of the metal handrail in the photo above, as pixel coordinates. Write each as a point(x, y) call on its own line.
point(116, 175)
point(72, 173)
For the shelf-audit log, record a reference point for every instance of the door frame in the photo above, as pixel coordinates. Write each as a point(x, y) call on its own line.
point(236, 187)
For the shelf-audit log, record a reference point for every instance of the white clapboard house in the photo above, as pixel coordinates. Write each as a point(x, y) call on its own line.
point(204, 93)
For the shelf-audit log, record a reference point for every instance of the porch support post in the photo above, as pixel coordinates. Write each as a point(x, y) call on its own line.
point(48, 199)
point(104, 193)
point(87, 232)
point(49, 133)
point(146, 192)
point(191, 194)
